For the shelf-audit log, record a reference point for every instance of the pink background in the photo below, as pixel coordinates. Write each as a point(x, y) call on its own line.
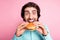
point(10, 16)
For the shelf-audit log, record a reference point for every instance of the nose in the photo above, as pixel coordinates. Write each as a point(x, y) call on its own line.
point(31, 16)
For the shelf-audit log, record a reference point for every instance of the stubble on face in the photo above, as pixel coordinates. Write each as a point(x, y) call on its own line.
point(30, 14)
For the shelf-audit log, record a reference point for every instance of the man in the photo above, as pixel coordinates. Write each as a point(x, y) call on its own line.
point(30, 13)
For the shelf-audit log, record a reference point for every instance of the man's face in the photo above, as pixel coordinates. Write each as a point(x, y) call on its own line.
point(30, 14)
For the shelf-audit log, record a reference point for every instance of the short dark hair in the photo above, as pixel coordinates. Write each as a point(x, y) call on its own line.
point(30, 4)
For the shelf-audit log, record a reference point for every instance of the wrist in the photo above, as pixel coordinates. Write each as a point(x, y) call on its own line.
point(18, 35)
point(44, 33)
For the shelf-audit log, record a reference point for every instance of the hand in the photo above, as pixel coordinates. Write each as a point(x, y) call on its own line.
point(40, 28)
point(21, 28)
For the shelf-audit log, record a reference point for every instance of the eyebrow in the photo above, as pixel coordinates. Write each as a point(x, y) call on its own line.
point(26, 11)
point(34, 10)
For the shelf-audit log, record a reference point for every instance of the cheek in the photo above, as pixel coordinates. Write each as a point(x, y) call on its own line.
point(26, 17)
point(35, 16)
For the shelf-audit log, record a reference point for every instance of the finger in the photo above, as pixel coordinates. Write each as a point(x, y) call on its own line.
point(22, 25)
point(20, 32)
point(39, 30)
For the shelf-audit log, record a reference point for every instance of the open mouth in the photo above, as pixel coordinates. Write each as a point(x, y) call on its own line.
point(31, 20)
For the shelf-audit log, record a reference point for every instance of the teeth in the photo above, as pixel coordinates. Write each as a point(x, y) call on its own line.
point(31, 20)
